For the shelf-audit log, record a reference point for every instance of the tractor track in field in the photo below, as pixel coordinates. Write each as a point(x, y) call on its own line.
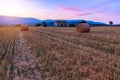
point(24, 62)
point(84, 41)
point(59, 54)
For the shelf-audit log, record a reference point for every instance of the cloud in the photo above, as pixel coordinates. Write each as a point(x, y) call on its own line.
point(99, 8)
point(85, 14)
point(105, 3)
point(70, 9)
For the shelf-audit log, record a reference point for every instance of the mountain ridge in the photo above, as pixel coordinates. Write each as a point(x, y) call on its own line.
point(12, 20)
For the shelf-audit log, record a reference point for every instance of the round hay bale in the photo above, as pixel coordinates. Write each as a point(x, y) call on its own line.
point(83, 27)
point(24, 28)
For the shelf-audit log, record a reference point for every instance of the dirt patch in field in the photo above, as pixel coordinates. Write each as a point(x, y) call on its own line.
point(24, 63)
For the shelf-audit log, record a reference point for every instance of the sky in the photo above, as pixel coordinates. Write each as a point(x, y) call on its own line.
point(96, 10)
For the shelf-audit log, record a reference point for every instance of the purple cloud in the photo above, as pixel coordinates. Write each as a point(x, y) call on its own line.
point(85, 14)
point(70, 9)
point(103, 3)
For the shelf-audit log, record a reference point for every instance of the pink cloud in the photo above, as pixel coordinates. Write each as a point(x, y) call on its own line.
point(81, 12)
point(75, 11)
point(70, 9)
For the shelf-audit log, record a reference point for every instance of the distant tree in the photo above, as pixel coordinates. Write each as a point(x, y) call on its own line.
point(44, 24)
point(51, 23)
point(110, 22)
point(83, 21)
point(71, 25)
point(38, 24)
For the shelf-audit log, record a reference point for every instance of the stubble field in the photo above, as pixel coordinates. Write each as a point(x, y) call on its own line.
point(59, 54)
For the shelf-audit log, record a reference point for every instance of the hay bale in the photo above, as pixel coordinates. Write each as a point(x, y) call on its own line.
point(24, 28)
point(18, 25)
point(83, 27)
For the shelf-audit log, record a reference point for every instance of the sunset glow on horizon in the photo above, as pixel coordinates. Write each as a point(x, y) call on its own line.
point(103, 10)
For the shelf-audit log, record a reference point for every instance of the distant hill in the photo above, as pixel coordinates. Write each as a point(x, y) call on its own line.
point(75, 22)
point(93, 23)
point(8, 20)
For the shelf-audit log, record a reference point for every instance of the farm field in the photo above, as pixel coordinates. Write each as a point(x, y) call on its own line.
point(59, 54)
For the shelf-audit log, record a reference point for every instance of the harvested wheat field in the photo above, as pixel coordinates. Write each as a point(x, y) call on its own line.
point(59, 54)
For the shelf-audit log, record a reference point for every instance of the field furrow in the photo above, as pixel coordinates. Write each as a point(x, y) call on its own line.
point(59, 54)
point(107, 47)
